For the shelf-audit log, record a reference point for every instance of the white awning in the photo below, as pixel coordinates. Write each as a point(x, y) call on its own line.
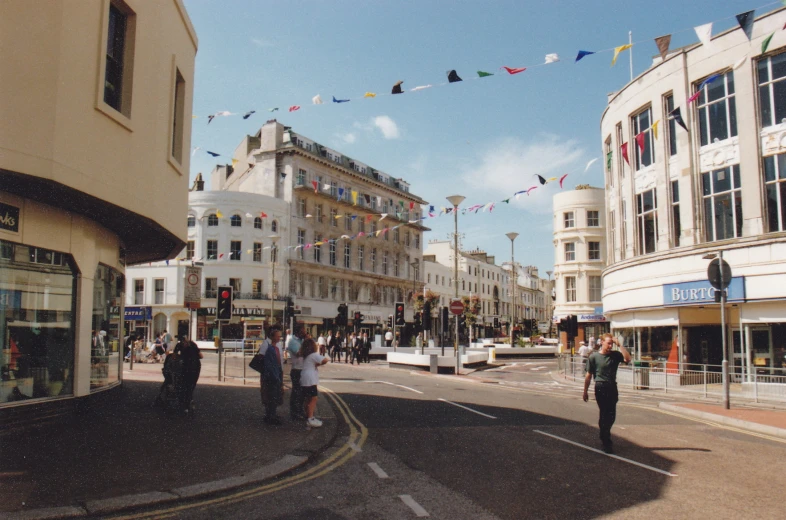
point(650, 318)
point(770, 312)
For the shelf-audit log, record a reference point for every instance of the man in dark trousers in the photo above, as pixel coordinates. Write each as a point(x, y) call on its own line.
point(602, 365)
point(272, 376)
point(365, 348)
point(296, 398)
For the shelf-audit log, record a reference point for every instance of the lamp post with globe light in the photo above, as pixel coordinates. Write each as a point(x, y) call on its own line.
point(455, 200)
point(514, 282)
point(273, 259)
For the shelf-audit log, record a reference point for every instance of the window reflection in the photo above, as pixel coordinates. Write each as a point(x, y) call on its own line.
point(108, 288)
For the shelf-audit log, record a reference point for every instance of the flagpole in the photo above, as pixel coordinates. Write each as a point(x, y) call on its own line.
point(630, 42)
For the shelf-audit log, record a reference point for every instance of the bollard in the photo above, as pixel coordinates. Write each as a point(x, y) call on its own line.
point(433, 361)
point(492, 355)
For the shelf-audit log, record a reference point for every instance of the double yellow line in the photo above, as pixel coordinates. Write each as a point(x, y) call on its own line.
point(357, 437)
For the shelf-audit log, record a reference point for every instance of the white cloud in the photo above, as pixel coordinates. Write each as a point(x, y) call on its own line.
point(261, 43)
point(387, 126)
point(510, 165)
point(349, 137)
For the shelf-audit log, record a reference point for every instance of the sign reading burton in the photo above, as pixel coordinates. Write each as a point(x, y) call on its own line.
point(701, 291)
point(9, 218)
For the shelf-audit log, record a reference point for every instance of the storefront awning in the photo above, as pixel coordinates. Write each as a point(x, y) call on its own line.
point(651, 318)
point(309, 320)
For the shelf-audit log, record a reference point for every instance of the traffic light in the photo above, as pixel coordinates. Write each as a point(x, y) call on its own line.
point(358, 318)
point(462, 321)
point(427, 316)
point(496, 322)
point(342, 317)
point(418, 320)
point(445, 320)
point(400, 314)
point(224, 303)
point(290, 310)
point(390, 321)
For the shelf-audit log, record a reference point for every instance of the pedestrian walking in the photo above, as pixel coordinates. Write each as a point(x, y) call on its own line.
point(271, 380)
point(296, 396)
point(168, 342)
point(190, 357)
point(310, 379)
point(335, 347)
point(354, 349)
point(322, 344)
point(389, 338)
point(419, 341)
point(365, 348)
point(602, 365)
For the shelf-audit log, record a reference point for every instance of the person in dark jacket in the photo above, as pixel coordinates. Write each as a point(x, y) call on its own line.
point(272, 377)
point(335, 347)
point(365, 348)
point(189, 357)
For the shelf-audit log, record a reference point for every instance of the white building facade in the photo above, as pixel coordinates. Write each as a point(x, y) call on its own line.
point(579, 259)
point(684, 195)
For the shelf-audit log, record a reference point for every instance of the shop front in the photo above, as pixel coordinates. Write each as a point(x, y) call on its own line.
point(138, 320)
point(207, 327)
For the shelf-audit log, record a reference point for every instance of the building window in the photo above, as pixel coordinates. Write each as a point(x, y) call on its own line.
point(675, 212)
point(593, 219)
point(212, 220)
point(119, 59)
point(775, 191)
point(321, 288)
point(318, 209)
point(374, 260)
point(624, 230)
point(105, 361)
point(417, 241)
point(570, 288)
point(722, 203)
point(645, 155)
point(717, 110)
point(647, 205)
point(236, 221)
point(139, 292)
point(668, 102)
point(301, 242)
point(190, 249)
point(568, 219)
point(360, 258)
point(332, 251)
point(347, 222)
point(385, 263)
point(257, 223)
point(333, 217)
point(620, 159)
point(273, 254)
point(570, 251)
point(191, 221)
point(772, 90)
point(234, 250)
point(178, 117)
point(613, 236)
point(211, 287)
point(395, 266)
point(257, 252)
point(595, 291)
point(317, 248)
point(347, 256)
point(212, 249)
point(362, 225)
point(301, 177)
point(593, 250)
point(301, 207)
point(256, 289)
point(158, 291)
point(236, 284)
point(274, 226)
point(607, 157)
point(396, 236)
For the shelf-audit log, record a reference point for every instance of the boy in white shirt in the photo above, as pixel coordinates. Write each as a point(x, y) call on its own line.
point(309, 378)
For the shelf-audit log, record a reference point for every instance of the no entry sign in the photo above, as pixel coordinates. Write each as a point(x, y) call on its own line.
point(456, 307)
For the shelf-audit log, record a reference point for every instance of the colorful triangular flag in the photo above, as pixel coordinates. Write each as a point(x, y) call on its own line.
point(704, 33)
point(581, 54)
point(624, 149)
point(453, 77)
point(663, 43)
point(482, 74)
point(618, 50)
point(515, 70)
point(746, 23)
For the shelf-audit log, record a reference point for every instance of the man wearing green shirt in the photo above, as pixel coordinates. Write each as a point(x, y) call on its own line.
point(602, 365)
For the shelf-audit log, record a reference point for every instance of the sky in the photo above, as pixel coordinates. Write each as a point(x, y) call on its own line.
point(482, 138)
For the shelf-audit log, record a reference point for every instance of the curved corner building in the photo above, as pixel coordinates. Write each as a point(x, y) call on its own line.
point(94, 161)
point(683, 195)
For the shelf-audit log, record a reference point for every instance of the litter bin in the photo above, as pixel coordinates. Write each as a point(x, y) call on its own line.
point(641, 375)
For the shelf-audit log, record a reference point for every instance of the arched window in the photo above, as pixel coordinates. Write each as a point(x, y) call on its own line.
point(212, 220)
point(258, 223)
point(235, 221)
point(274, 226)
point(191, 221)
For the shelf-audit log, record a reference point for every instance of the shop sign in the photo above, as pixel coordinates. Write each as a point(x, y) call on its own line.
point(544, 326)
point(590, 318)
point(9, 218)
point(371, 318)
point(138, 314)
point(243, 312)
point(701, 291)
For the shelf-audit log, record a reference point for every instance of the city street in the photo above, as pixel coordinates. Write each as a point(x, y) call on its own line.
point(507, 443)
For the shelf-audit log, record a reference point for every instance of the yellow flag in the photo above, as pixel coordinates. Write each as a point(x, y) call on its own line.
point(655, 128)
point(219, 214)
point(234, 162)
point(337, 217)
point(354, 197)
point(378, 232)
point(369, 94)
point(551, 179)
point(618, 50)
point(318, 243)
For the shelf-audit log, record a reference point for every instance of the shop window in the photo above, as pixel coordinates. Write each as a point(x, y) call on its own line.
point(645, 155)
point(570, 288)
point(772, 90)
point(646, 215)
point(775, 191)
point(675, 212)
point(722, 203)
point(105, 355)
point(717, 110)
point(37, 309)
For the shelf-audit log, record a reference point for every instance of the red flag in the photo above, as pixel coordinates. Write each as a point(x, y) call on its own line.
point(562, 179)
point(694, 96)
point(640, 140)
point(263, 214)
point(411, 206)
point(532, 188)
point(294, 107)
point(514, 71)
point(315, 184)
point(624, 149)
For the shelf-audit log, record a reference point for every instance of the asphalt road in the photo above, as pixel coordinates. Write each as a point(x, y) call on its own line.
point(511, 443)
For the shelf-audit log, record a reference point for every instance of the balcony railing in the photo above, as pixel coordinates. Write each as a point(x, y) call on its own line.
point(243, 296)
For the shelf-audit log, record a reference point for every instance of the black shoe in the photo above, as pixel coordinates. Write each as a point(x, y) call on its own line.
point(608, 448)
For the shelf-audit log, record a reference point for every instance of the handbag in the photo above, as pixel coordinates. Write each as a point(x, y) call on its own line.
point(257, 363)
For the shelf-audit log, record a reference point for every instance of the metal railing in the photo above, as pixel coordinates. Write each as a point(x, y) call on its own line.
point(757, 385)
point(235, 357)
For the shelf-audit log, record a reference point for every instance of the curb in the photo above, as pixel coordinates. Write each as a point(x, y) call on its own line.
point(118, 504)
point(728, 421)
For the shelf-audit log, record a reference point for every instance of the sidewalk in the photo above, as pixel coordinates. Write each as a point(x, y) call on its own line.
point(86, 462)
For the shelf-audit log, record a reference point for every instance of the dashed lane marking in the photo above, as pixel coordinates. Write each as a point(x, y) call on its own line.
point(379, 471)
point(378, 382)
point(466, 408)
point(417, 508)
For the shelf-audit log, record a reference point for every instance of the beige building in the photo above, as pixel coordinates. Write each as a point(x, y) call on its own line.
point(96, 103)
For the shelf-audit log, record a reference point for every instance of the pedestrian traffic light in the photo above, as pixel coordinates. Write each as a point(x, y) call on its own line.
point(390, 321)
point(224, 303)
point(445, 320)
point(400, 314)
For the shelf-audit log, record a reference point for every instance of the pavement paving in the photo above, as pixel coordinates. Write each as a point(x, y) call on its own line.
point(131, 454)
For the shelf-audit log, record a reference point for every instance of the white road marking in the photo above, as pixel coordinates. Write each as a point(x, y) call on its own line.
point(417, 508)
point(354, 447)
point(381, 382)
point(379, 471)
point(464, 407)
point(537, 368)
point(623, 459)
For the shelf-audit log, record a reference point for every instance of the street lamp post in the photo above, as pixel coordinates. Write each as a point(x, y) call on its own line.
point(549, 311)
point(514, 282)
point(725, 376)
point(455, 200)
point(273, 260)
point(414, 266)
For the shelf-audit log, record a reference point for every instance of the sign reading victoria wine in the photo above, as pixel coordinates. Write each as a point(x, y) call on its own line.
point(9, 218)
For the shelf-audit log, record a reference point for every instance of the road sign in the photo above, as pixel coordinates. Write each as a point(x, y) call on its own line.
point(456, 307)
point(714, 274)
point(192, 293)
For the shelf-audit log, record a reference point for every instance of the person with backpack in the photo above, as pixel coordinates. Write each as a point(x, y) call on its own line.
point(189, 356)
point(309, 379)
